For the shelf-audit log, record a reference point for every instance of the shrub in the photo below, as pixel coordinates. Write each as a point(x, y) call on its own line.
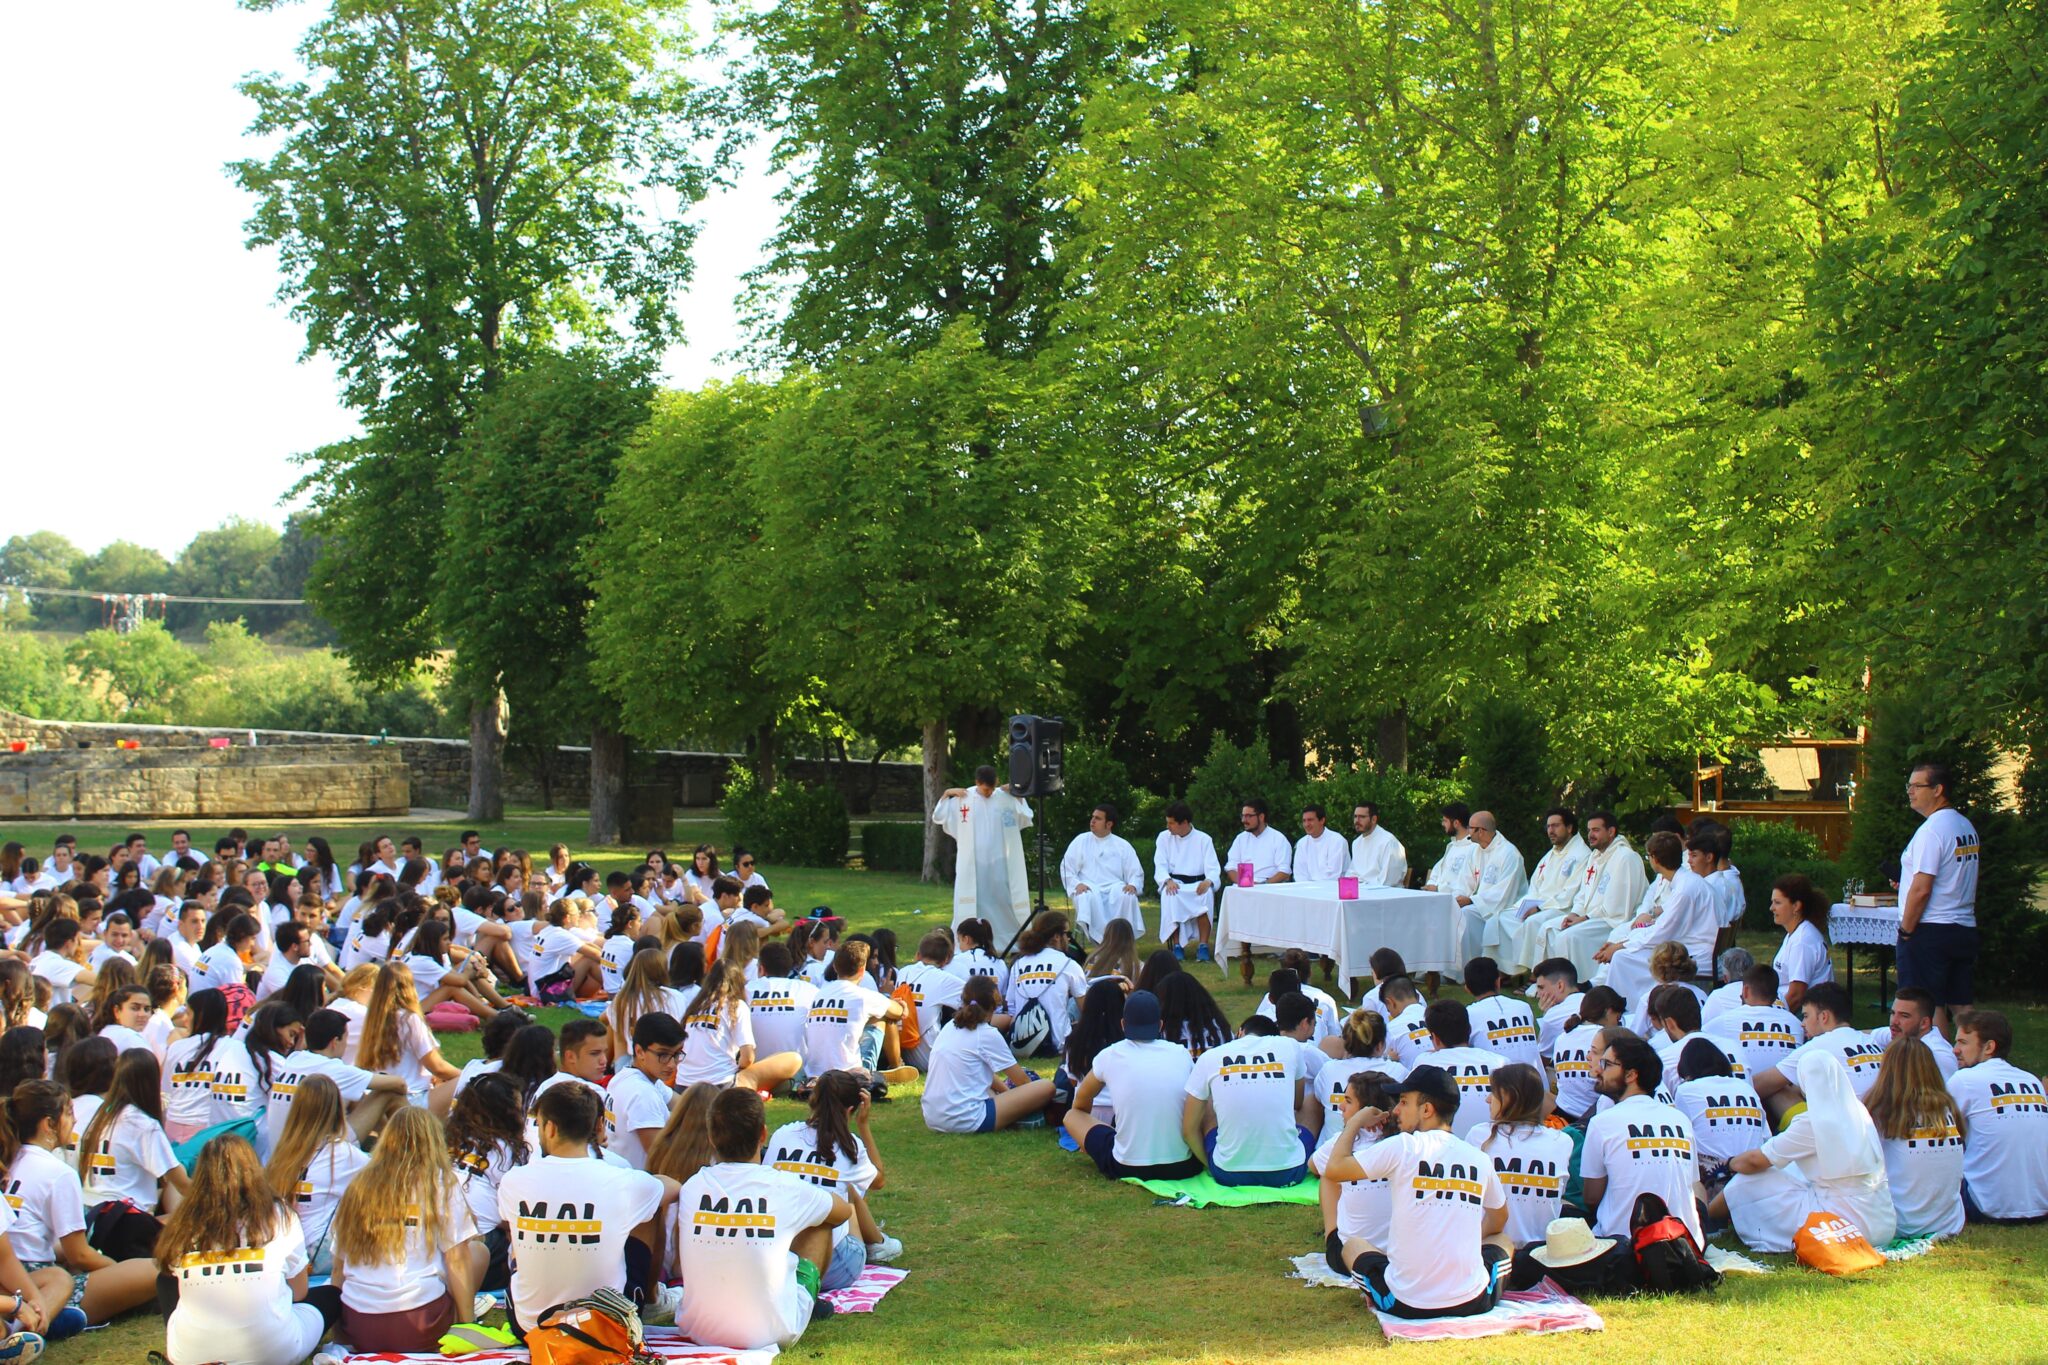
point(1765, 850)
point(791, 823)
point(1094, 777)
point(892, 846)
point(1410, 806)
point(1230, 776)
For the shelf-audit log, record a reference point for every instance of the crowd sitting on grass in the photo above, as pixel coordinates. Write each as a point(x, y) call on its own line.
point(223, 1084)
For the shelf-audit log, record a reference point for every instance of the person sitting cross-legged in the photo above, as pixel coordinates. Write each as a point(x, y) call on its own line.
point(1149, 1076)
point(1825, 1009)
point(1239, 1114)
point(2004, 1122)
point(1840, 1162)
point(1446, 1252)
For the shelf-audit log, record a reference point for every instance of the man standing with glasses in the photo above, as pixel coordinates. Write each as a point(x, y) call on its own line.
point(1938, 895)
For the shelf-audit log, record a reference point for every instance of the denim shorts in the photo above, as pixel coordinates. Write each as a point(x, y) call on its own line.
point(849, 1258)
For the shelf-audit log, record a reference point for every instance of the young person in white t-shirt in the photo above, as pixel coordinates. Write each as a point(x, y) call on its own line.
point(843, 1030)
point(1833, 1147)
point(1044, 974)
point(1938, 894)
point(1148, 1076)
point(1761, 1033)
point(1444, 1256)
point(234, 1255)
point(1826, 1014)
point(835, 1150)
point(1639, 1145)
point(196, 1064)
point(1913, 1014)
point(406, 1252)
point(1500, 1023)
point(62, 962)
point(610, 1210)
point(123, 1151)
point(1356, 1210)
point(1240, 1107)
point(1574, 1056)
point(49, 1211)
point(974, 954)
point(1408, 1037)
point(646, 990)
point(1799, 908)
point(1558, 996)
point(395, 1036)
point(641, 1092)
point(1450, 1029)
point(1363, 1045)
point(758, 1290)
point(369, 1096)
point(122, 1013)
point(974, 1084)
point(312, 1162)
point(1921, 1127)
point(2004, 1122)
point(778, 1002)
point(719, 1044)
point(1727, 1117)
point(1532, 1161)
point(621, 936)
point(1291, 977)
point(934, 992)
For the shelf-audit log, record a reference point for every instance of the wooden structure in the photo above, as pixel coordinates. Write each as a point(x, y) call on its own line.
point(1811, 783)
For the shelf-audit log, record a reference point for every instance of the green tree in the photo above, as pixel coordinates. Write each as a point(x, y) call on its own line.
point(140, 671)
point(122, 566)
point(460, 182)
point(540, 445)
point(44, 559)
point(34, 682)
point(231, 560)
point(921, 539)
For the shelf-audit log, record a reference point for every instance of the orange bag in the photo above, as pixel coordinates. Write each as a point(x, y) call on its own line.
point(1832, 1244)
point(908, 1033)
point(603, 1329)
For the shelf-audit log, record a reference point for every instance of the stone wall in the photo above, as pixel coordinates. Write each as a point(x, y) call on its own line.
point(195, 782)
point(438, 769)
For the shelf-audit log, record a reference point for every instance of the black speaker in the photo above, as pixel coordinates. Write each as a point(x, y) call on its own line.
point(1037, 764)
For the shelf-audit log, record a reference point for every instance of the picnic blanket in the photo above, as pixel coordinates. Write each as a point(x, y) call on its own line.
point(1201, 1191)
point(664, 1343)
point(1544, 1309)
point(1906, 1248)
point(867, 1289)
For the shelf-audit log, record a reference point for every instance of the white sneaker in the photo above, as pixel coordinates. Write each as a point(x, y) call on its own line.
point(483, 1306)
point(326, 1358)
point(667, 1299)
point(885, 1251)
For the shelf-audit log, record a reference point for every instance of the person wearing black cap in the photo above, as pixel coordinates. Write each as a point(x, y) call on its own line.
point(1444, 1258)
point(1148, 1075)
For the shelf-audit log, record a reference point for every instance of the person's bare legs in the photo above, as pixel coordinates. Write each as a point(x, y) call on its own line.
point(1310, 1115)
point(479, 980)
point(466, 1266)
point(371, 1110)
point(1077, 1123)
point(892, 1045)
point(112, 1290)
point(776, 1069)
point(1022, 1102)
point(53, 1289)
point(814, 1244)
point(1328, 1192)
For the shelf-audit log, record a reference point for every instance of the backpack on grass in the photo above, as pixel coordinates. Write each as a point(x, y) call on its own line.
point(1667, 1258)
point(603, 1329)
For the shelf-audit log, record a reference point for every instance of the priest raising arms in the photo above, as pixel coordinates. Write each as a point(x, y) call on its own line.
point(1184, 864)
point(1103, 876)
point(989, 881)
point(1377, 858)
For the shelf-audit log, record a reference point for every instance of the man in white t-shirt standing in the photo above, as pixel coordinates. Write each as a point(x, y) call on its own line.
point(1443, 1258)
point(752, 1242)
point(1639, 1145)
point(579, 1224)
point(1938, 894)
point(1267, 852)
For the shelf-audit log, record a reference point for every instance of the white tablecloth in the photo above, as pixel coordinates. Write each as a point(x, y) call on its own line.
point(1422, 926)
point(1864, 925)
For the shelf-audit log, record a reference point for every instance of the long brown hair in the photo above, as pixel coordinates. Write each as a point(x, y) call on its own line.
point(1117, 954)
point(643, 991)
point(1043, 929)
point(17, 992)
point(394, 994)
point(1798, 888)
point(977, 1002)
point(314, 1122)
point(1521, 1092)
point(22, 1112)
point(229, 1205)
point(723, 992)
point(835, 1098)
point(116, 973)
point(409, 1179)
point(1909, 1094)
point(683, 1146)
point(138, 1085)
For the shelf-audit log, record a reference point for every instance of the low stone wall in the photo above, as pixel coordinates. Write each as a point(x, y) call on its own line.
point(310, 781)
point(438, 769)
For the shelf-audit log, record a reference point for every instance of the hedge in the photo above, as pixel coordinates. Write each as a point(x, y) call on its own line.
point(892, 846)
point(792, 824)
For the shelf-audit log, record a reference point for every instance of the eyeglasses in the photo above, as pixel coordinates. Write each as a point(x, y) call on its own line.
point(664, 1054)
point(1920, 786)
point(746, 862)
point(1607, 1063)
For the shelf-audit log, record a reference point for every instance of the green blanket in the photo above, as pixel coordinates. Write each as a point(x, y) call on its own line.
point(1202, 1190)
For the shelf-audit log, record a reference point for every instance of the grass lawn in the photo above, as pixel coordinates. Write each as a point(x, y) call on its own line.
point(1019, 1253)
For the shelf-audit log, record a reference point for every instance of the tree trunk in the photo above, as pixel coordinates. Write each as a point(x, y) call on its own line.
point(1393, 740)
point(934, 783)
point(607, 784)
point(765, 756)
point(487, 758)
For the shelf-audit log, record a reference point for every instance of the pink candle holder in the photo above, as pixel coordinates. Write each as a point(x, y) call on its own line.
point(1244, 874)
point(1347, 888)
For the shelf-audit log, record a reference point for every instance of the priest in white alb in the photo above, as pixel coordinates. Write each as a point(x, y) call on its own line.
point(1551, 888)
point(989, 880)
point(1103, 876)
point(1497, 883)
point(1320, 854)
point(1610, 888)
point(1454, 871)
point(1185, 867)
point(1377, 858)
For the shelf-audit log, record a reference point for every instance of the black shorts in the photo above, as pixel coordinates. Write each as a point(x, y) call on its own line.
point(1101, 1147)
point(1371, 1266)
point(1333, 1252)
point(1940, 959)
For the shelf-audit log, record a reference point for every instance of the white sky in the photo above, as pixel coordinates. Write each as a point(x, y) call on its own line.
point(148, 352)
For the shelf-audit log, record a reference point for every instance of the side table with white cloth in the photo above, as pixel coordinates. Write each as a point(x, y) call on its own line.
point(1868, 926)
point(1422, 926)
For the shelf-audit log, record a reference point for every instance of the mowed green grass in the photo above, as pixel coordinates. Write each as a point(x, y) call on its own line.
point(1020, 1254)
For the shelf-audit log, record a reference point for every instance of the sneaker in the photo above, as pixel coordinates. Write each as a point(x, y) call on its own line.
point(1180, 954)
point(821, 1307)
point(468, 1338)
point(483, 1306)
point(662, 1310)
point(1202, 954)
point(326, 1358)
point(20, 1348)
point(886, 1250)
point(68, 1323)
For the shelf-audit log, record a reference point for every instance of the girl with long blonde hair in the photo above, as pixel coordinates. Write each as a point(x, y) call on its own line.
point(263, 1312)
point(1921, 1129)
point(315, 1159)
point(406, 1252)
point(645, 991)
point(396, 1038)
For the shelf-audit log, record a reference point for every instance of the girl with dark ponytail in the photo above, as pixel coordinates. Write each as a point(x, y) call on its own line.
point(827, 1150)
